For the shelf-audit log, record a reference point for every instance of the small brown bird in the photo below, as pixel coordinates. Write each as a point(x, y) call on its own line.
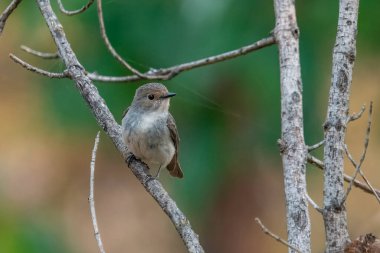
point(149, 130)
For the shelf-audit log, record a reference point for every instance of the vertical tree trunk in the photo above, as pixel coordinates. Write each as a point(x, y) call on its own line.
point(344, 54)
point(292, 142)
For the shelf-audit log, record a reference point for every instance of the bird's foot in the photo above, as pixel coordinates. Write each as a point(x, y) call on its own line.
point(130, 159)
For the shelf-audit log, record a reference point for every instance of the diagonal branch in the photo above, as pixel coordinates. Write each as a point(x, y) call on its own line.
point(7, 12)
point(107, 122)
point(71, 13)
point(274, 236)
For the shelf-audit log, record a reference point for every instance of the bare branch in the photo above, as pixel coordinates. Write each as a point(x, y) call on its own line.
point(71, 13)
point(274, 236)
point(315, 146)
point(375, 192)
point(7, 12)
point(38, 70)
point(107, 122)
point(313, 204)
point(358, 166)
point(172, 71)
point(293, 148)
point(356, 116)
point(40, 54)
point(91, 199)
point(319, 164)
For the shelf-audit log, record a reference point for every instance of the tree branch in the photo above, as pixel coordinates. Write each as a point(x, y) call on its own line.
point(107, 122)
point(358, 166)
point(40, 54)
point(71, 13)
point(274, 236)
point(91, 198)
point(7, 12)
point(38, 70)
point(335, 216)
point(293, 148)
point(319, 164)
point(315, 146)
point(172, 71)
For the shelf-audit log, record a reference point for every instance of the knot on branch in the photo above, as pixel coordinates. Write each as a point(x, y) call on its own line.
point(338, 125)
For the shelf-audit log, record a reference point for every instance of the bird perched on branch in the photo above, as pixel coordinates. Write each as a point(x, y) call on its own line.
point(149, 130)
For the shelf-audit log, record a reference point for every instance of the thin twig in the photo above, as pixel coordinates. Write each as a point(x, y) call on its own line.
point(7, 12)
point(319, 164)
point(315, 146)
point(356, 116)
point(112, 50)
point(370, 186)
point(91, 199)
point(40, 54)
point(358, 166)
point(38, 70)
point(311, 201)
point(71, 13)
point(158, 73)
point(274, 236)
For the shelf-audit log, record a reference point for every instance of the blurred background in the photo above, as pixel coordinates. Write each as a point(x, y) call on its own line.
point(228, 116)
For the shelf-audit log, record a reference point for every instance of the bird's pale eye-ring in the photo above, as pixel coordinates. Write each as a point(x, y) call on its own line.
point(151, 96)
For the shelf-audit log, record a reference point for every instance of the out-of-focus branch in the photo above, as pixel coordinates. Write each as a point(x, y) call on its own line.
point(315, 146)
point(107, 122)
point(344, 54)
point(91, 198)
point(358, 166)
point(274, 236)
point(356, 116)
point(71, 13)
point(38, 70)
point(293, 148)
point(319, 164)
point(7, 12)
point(40, 54)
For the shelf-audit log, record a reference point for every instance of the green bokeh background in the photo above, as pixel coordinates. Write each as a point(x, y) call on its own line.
point(228, 114)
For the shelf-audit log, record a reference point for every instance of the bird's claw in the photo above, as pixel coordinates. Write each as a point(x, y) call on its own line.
point(130, 159)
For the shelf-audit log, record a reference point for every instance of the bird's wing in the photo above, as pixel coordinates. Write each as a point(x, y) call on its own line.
point(174, 167)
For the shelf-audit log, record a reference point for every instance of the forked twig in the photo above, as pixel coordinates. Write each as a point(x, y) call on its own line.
point(38, 70)
point(71, 13)
point(40, 54)
point(274, 236)
point(91, 199)
point(358, 166)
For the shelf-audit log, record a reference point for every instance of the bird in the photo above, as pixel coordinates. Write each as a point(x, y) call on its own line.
point(149, 130)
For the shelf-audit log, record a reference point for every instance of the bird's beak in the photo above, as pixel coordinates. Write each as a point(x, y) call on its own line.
point(168, 95)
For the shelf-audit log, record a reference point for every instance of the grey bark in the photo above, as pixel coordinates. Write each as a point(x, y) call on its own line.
point(107, 122)
point(344, 54)
point(292, 144)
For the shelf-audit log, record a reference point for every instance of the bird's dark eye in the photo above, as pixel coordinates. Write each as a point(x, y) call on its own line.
point(151, 97)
